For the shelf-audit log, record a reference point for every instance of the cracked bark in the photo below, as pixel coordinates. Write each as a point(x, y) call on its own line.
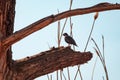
point(45, 62)
point(49, 61)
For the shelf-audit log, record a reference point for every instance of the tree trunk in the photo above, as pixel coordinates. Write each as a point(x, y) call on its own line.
point(7, 12)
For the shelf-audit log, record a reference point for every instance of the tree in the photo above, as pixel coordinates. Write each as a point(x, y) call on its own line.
point(39, 64)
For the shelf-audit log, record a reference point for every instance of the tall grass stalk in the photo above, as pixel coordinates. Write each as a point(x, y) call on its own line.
point(95, 17)
point(78, 71)
point(68, 73)
point(58, 37)
point(90, 35)
point(103, 48)
point(48, 77)
point(60, 40)
point(57, 76)
point(102, 58)
point(64, 76)
point(60, 74)
point(63, 29)
point(71, 1)
point(94, 68)
point(71, 34)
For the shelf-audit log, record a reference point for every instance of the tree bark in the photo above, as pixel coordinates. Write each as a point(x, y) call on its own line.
point(7, 13)
point(42, 63)
point(52, 18)
point(49, 61)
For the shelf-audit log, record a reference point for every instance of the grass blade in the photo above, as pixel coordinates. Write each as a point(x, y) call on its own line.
point(103, 48)
point(102, 59)
point(94, 68)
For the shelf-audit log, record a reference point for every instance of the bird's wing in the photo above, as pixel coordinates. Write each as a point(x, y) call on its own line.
point(70, 40)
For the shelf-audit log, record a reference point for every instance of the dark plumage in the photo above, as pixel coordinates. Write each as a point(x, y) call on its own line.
point(69, 39)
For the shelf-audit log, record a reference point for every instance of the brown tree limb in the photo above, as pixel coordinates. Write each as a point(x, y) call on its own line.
point(49, 61)
point(48, 20)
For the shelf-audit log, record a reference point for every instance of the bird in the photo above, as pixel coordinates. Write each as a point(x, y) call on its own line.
point(69, 39)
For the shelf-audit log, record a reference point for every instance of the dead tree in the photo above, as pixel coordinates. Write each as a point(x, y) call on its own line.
point(42, 63)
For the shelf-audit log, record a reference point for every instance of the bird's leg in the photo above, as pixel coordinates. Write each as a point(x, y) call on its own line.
point(69, 45)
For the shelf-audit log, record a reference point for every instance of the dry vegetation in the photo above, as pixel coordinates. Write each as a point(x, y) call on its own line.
point(96, 48)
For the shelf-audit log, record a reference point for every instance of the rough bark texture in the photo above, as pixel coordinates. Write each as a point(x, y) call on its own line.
point(42, 63)
point(7, 12)
point(49, 61)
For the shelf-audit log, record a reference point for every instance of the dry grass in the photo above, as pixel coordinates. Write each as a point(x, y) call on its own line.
point(94, 68)
point(101, 56)
point(59, 37)
point(96, 48)
point(95, 17)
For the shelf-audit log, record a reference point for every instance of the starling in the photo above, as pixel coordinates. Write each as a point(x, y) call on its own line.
point(69, 39)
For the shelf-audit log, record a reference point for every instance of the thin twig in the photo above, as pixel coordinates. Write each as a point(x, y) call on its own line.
point(58, 33)
point(94, 68)
point(58, 37)
point(87, 42)
point(71, 2)
point(68, 73)
point(103, 48)
point(77, 72)
point(64, 76)
point(71, 34)
point(63, 29)
point(48, 77)
point(80, 74)
point(101, 59)
point(98, 50)
point(89, 35)
point(60, 74)
point(51, 77)
point(57, 75)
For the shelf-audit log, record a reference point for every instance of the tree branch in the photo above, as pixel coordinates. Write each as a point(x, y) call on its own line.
point(49, 61)
point(50, 19)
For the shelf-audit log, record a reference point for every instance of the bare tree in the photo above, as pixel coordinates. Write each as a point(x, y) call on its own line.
point(41, 63)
